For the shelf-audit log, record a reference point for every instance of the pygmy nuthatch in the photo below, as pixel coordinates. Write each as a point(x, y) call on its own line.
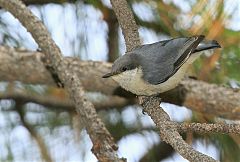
point(155, 68)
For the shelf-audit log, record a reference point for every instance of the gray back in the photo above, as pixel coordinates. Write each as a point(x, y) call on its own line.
point(162, 59)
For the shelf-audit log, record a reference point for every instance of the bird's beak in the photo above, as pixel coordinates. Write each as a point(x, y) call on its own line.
point(216, 44)
point(108, 75)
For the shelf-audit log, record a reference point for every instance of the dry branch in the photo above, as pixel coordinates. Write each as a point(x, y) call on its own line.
point(104, 147)
point(196, 95)
point(127, 23)
point(169, 133)
point(64, 104)
point(14, 62)
point(206, 98)
point(204, 128)
point(112, 101)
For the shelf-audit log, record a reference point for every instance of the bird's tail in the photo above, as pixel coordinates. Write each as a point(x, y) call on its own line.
point(206, 44)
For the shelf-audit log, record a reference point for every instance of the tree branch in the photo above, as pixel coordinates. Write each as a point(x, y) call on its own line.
point(207, 128)
point(89, 72)
point(151, 105)
point(65, 104)
point(127, 23)
point(169, 133)
point(196, 95)
point(113, 101)
point(104, 147)
point(206, 98)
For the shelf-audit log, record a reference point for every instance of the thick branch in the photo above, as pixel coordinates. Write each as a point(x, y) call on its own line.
point(113, 101)
point(14, 62)
point(196, 95)
point(206, 98)
point(103, 145)
point(65, 104)
point(169, 133)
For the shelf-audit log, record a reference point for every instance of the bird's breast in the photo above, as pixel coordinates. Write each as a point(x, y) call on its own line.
point(132, 80)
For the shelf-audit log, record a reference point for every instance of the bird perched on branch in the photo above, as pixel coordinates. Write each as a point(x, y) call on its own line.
point(155, 68)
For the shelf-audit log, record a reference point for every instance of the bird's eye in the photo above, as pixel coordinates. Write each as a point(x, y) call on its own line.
point(124, 69)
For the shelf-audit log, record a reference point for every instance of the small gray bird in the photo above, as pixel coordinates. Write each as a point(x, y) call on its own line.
point(155, 68)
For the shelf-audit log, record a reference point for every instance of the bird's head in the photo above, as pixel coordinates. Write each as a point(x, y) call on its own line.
point(123, 64)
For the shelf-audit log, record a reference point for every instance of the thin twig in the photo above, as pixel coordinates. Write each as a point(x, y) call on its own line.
point(209, 128)
point(104, 147)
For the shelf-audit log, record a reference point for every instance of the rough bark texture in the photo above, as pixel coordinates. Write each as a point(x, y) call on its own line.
point(204, 128)
point(206, 98)
point(64, 103)
point(14, 62)
point(104, 147)
point(169, 133)
point(196, 95)
point(127, 23)
point(52, 102)
point(203, 97)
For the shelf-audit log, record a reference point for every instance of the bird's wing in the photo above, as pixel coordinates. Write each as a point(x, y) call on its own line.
point(161, 60)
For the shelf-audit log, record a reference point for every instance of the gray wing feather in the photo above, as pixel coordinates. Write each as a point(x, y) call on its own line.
point(161, 60)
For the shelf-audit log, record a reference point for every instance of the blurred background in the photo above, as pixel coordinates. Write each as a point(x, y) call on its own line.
point(88, 29)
